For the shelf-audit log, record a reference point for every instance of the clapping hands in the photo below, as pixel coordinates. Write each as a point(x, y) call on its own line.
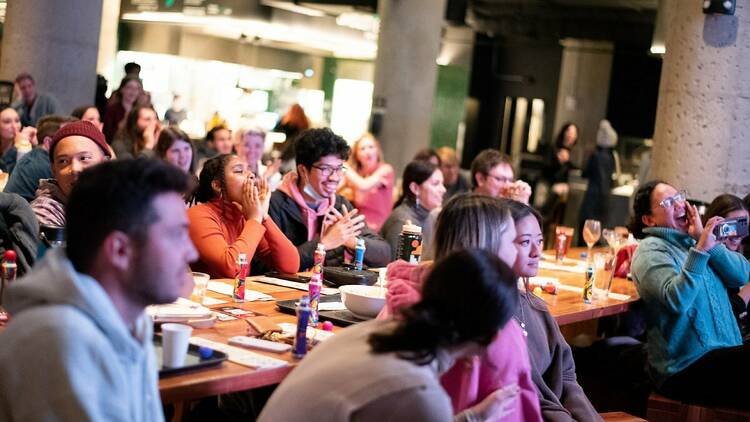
point(342, 228)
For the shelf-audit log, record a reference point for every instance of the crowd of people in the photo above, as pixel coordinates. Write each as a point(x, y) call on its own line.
point(461, 336)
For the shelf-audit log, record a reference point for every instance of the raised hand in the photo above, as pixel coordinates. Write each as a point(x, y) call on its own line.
point(252, 209)
point(707, 239)
point(695, 226)
point(264, 195)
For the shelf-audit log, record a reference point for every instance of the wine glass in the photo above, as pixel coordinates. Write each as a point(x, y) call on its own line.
point(592, 230)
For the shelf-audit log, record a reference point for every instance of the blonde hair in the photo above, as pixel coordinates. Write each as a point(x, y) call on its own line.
point(471, 221)
point(354, 163)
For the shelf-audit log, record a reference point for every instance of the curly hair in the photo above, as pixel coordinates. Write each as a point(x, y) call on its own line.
point(313, 144)
point(447, 316)
point(213, 169)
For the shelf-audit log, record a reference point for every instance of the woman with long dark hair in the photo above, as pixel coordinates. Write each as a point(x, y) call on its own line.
point(389, 370)
point(232, 218)
point(423, 190)
point(123, 100)
point(139, 135)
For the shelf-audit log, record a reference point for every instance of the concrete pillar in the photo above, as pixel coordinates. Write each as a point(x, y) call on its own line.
point(703, 116)
point(57, 42)
point(405, 76)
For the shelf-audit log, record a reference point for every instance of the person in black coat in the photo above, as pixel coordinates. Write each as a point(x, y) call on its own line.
point(598, 170)
point(307, 209)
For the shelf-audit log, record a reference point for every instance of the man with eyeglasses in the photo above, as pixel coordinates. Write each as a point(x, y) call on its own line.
point(308, 210)
point(492, 175)
point(682, 273)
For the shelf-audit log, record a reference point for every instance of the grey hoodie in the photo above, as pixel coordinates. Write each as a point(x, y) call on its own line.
point(68, 355)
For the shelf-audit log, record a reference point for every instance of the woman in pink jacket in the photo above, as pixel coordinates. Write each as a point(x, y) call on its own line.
point(465, 222)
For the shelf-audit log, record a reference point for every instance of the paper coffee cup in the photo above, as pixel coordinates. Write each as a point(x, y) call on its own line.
point(175, 339)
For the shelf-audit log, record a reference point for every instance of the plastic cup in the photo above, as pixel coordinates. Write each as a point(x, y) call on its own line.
point(603, 273)
point(200, 285)
point(175, 340)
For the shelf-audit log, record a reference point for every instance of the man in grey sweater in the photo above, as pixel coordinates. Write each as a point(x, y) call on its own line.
point(79, 346)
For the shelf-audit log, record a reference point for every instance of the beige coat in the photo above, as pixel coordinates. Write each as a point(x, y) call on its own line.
point(341, 380)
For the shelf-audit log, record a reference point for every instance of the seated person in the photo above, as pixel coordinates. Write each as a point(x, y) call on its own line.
point(249, 145)
point(79, 346)
point(218, 141)
point(74, 148)
point(89, 113)
point(174, 146)
point(730, 207)
point(461, 225)
point(308, 211)
point(682, 273)
point(138, 137)
point(423, 190)
point(389, 370)
point(14, 141)
point(35, 166)
point(232, 218)
point(492, 174)
point(453, 180)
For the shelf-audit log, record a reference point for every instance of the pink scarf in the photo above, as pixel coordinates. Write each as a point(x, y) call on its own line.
point(309, 215)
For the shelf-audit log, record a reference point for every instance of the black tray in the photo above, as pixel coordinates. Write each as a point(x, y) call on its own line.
point(193, 359)
point(341, 318)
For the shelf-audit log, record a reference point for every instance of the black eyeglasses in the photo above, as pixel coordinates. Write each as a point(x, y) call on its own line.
point(327, 171)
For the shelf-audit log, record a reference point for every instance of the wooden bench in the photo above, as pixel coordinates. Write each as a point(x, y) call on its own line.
point(663, 409)
point(620, 417)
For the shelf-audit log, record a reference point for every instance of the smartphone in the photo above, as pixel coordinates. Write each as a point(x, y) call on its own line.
point(736, 227)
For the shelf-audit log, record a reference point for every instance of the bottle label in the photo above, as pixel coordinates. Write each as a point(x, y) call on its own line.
point(410, 247)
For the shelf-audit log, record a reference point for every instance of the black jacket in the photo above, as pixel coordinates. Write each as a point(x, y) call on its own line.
point(286, 214)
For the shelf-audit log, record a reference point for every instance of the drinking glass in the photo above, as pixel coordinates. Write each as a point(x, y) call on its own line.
point(563, 237)
point(592, 230)
point(200, 286)
point(604, 270)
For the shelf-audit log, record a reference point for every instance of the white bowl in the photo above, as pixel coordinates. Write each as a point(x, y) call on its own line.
point(363, 301)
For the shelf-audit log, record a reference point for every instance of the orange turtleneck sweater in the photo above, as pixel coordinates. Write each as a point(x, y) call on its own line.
point(220, 237)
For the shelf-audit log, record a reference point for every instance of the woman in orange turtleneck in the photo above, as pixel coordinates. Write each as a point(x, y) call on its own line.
point(233, 218)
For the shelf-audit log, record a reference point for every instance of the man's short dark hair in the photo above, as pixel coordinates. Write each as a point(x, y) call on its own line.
point(211, 135)
point(116, 195)
point(485, 161)
point(132, 67)
point(49, 124)
point(313, 144)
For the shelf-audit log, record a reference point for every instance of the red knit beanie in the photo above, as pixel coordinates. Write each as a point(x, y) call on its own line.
point(80, 128)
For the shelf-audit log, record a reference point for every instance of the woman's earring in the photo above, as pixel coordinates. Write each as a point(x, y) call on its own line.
point(417, 201)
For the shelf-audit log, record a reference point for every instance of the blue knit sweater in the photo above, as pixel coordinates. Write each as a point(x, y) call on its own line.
point(684, 291)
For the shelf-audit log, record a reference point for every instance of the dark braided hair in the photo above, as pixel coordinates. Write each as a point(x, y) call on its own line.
point(213, 169)
point(451, 315)
point(641, 207)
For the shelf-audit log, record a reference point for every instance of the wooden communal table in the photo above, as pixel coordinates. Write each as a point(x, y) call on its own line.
point(567, 308)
